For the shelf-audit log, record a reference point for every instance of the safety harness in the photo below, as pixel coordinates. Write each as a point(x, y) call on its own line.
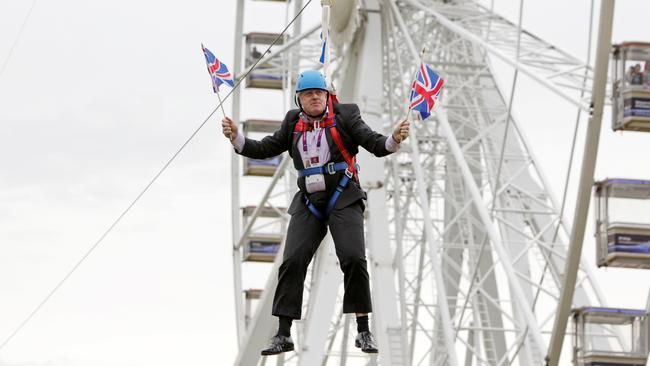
point(349, 165)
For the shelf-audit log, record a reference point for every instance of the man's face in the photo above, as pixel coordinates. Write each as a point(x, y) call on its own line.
point(313, 101)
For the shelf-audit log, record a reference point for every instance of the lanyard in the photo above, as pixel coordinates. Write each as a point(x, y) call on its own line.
point(304, 141)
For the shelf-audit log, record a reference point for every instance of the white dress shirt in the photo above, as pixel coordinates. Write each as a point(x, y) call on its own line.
point(312, 139)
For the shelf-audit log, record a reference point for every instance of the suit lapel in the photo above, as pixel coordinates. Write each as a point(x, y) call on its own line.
point(296, 150)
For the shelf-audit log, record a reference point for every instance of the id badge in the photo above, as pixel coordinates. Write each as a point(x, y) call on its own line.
point(315, 183)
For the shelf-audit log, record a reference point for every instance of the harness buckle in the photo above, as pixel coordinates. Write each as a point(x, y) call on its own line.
point(348, 173)
point(317, 124)
point(329, 168)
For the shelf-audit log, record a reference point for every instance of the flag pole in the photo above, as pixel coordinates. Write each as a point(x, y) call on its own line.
point(222, 110)
point(221, 103)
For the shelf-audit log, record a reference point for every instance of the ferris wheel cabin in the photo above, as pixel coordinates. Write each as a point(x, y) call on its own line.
point(623, 223)
point(631, 88)
point(268, 75)
point(261, 167)
point(262, 246)
point(596, 339)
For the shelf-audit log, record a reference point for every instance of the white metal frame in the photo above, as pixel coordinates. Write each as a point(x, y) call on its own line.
point(457, 256)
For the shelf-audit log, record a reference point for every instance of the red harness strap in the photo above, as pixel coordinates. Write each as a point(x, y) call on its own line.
point(303, 126)
point(351, 160)
point(330, 122)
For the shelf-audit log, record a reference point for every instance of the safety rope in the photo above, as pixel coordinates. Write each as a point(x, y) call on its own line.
point(119, 218)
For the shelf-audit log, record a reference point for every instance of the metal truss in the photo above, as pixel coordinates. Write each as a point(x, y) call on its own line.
point(483, 286)
point(553, 68)
point(466, 246)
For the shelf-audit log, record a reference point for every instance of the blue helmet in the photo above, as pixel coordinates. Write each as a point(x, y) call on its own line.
point(311, 79)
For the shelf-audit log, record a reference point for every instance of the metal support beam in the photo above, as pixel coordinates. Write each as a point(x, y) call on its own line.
point(234, 181)
point(458, 29)
point(365, 84)
point(262, 323)
point(586, 182)
point(447, 327)
point(647, 321)
point(326, 278)
point(506, 262)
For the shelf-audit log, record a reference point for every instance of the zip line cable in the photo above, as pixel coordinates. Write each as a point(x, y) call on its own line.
point(13, 46)
point(119, 218)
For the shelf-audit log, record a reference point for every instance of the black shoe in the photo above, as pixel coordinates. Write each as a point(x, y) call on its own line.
point(366, 341)
point(278, 345)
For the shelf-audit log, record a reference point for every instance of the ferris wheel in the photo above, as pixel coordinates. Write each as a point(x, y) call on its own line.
point(467, 246)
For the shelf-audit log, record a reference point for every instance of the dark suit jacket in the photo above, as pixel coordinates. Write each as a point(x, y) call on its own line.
point(354, 133)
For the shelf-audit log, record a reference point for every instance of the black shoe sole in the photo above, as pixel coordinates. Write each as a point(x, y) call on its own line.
point(358, 345)
point(271, 353)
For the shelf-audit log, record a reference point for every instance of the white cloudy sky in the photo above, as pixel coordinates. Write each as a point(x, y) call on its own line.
point(97, 96)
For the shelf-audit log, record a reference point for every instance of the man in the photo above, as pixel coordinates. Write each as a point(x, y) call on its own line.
point(322, 138)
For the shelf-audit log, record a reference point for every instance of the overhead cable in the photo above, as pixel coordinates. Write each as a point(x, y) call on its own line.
point(20, 32)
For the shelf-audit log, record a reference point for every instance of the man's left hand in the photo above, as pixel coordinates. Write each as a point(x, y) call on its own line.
point(401, 131)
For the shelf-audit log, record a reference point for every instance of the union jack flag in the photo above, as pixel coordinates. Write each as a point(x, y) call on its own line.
point(218, 70)
point(425, 90)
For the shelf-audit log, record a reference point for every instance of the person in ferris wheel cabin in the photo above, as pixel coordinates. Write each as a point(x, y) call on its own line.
point(646, 74)
point(634, 75)
point(322, 137)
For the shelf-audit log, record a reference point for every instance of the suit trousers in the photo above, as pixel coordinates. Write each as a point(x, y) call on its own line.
point(304, 235)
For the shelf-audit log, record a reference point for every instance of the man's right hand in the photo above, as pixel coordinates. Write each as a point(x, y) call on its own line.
point(229, 128)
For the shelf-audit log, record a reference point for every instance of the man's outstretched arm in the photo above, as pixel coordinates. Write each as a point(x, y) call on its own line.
point(268, 147)
point(374, 142)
